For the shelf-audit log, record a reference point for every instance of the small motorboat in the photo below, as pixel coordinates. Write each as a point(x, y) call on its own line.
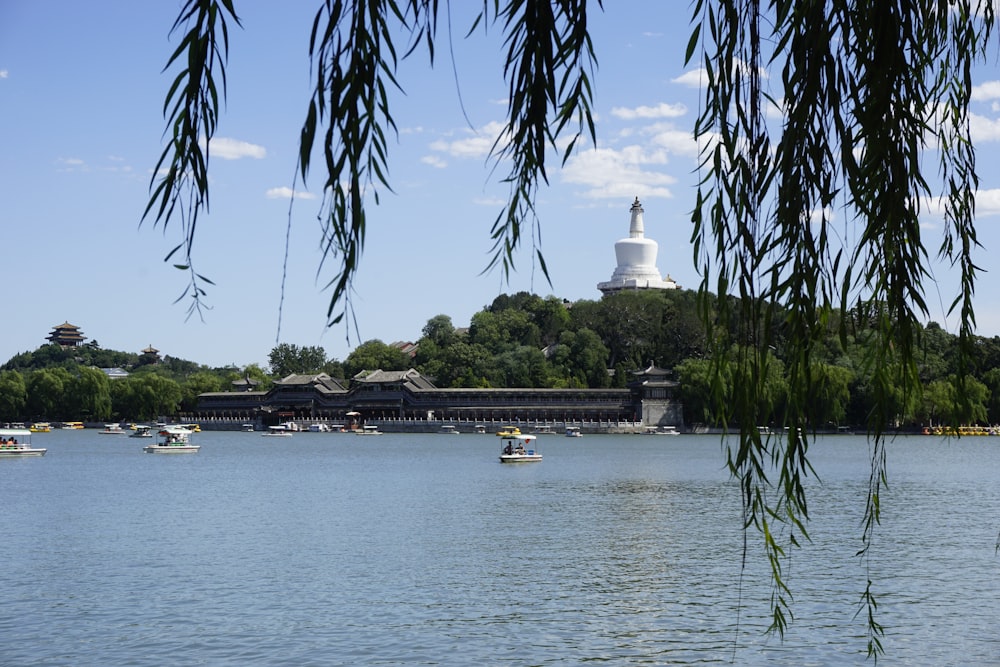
point(141, 431)
point(519, 449)
point(176, 440)
point(16, 442)
point(661, 430)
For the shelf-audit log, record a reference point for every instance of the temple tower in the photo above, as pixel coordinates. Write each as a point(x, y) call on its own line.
point(636, 257)
point(66, 335)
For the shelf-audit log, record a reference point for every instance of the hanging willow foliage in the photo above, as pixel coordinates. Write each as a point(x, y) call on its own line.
point(862, 89)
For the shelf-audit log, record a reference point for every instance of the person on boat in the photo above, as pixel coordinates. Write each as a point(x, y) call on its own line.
point(520, 448)
point(508, 449)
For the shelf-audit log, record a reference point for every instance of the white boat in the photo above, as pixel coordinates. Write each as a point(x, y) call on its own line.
point(279, 431)
point(112, 429)
point(573, 432)
point(661, 430)
point(519, 449)
point(15, 442)
point(247, 428)
point(176, 440)
point(319, 428)
point(369, 430)
point(141, 431)
point(448, 429)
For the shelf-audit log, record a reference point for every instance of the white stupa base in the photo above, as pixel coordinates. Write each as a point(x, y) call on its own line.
point(636, 284)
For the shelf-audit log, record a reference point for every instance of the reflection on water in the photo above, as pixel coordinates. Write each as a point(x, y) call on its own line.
point(423, 550)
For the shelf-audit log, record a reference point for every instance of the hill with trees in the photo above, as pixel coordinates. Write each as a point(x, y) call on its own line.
point(521, 340)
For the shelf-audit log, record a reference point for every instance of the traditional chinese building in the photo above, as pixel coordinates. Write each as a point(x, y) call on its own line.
point(409, 397)
point(66, 335)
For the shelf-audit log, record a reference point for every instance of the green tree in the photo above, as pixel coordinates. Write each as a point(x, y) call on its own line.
point(830, 395)
point(439, 330)
point(680, 334)
point(588, 358)
point(521, 366)
point(195, 385)
point(464, 364)
point(88, 395)
point(938, 402)
point(374, 354)
point(145, 397)
point(286, 359)
point(975, 395)
point(697, 378)
point(991, 379)
point(862, 89)
point(629, 324)
point(503, 330)
point(13, 396)
point(47, 392)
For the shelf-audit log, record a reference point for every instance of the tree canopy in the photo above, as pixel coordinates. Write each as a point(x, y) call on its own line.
point(862, 89)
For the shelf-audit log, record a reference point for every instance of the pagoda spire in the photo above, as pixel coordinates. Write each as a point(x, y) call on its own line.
point(636, 228)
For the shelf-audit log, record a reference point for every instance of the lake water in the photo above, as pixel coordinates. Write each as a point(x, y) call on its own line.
point(330, 549)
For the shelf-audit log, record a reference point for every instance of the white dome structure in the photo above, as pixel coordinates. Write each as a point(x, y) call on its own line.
point(636, 257)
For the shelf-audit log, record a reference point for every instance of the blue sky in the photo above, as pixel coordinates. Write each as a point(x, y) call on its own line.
point(81, 127)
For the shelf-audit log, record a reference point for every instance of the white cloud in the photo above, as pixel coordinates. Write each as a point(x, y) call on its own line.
point(662, 110)
point(694, 78)
point(234, 149)
point(983, 129)
point(434, 161)
point(489, 201)
point(70, 164)
point(618, 174)
point(287, 193)
point(988, 202)
point(3, 74)
point(986, 91)
point(476, 144)
point(698, 77)
point(674, 140)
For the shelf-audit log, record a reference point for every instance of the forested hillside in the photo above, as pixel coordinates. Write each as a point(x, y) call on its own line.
point(519, 340)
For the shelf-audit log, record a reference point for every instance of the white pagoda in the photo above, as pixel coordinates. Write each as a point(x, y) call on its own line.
point(636, 260)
